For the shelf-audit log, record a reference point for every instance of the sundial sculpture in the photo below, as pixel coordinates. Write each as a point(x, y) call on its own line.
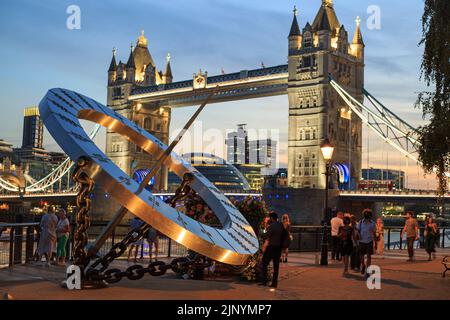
point(233, 244)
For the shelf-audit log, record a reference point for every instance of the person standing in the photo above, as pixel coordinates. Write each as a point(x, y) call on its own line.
point(47, 239)
point(287, 241)
point(274, 235)
point(153, 240)
point(336, 223)
point(355, 259)
point(346, 238)
point(379, 237)
point(62, 234)
point(431, 231)
point(135, 224)
point(366, 228)
point(411, 229)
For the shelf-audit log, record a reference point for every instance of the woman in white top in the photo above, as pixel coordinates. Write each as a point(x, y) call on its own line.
point(62, 232)
point(47, 239)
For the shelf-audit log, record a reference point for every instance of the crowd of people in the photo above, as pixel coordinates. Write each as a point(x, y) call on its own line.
point(353, 242)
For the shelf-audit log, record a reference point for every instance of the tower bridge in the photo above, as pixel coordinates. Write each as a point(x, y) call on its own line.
point(245, 84)
point(324, 83)
point(140, 92)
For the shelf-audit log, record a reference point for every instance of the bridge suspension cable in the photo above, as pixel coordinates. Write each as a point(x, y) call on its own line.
point(386, 124)
point(55, 176)
point(383, 122)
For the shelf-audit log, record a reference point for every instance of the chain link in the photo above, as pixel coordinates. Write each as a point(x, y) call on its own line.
point(82, 218)
point(157, 268)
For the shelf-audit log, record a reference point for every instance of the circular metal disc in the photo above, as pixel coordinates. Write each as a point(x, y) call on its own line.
point(234, 243)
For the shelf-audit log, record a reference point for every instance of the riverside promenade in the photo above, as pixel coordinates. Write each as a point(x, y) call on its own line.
point(300, 279)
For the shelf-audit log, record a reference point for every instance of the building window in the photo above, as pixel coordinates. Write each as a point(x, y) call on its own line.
point(147, 124)
point(308, 40)
point(307, 163)
point(117, 92)
point(314, 136)
point(306, 62)
point(307, 134)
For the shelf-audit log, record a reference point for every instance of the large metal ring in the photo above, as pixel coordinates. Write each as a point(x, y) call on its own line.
point(234, 243)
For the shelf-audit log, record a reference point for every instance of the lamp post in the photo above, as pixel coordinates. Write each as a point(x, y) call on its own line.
point(327, 152)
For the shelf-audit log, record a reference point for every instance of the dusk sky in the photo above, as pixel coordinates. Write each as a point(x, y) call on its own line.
point(38, 52)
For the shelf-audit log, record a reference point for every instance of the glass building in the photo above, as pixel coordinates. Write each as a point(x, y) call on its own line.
point(220, 172)
point(33, 129)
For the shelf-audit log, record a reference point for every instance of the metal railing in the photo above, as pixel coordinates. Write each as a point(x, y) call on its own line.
point(166, 246)
point(308, 238)
point(428, 193)
point(18, 241)
point(393, 239)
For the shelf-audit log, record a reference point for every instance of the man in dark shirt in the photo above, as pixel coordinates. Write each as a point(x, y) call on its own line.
point(274, 234)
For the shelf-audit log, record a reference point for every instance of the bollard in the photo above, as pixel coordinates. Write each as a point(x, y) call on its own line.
point(18, 240)
point(401, 241)
point(169, 248)
point(11, 247)
point(443, 238)
point(29, 249)
point(389, 239)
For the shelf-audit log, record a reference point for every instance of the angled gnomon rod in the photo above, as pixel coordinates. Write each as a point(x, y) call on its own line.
point(118, 216)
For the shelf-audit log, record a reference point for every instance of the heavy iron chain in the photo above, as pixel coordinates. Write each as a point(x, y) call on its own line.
point(82, 218)
point(157, 268)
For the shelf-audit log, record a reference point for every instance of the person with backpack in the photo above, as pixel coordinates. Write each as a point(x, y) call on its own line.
point(345, 235)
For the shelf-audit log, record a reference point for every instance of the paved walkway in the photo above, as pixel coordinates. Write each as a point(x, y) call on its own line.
point(301, 278)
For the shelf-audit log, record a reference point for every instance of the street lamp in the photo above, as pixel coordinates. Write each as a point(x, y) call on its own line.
point(327, 152)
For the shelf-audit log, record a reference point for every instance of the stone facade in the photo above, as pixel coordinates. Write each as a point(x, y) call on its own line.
point(316, 112)
point(139, 71)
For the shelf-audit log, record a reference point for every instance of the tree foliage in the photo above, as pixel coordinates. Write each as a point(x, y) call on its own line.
point(434, 151)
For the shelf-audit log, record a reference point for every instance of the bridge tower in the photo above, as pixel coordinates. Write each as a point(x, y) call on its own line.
point(139, 71)
point(316, 112)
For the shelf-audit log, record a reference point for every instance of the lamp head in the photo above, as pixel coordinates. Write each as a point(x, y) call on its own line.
point(327, 149)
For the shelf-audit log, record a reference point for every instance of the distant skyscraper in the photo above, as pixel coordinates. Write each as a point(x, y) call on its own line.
point(33, 129)
point(241, 150)
point(263, 152)
point(237, 146)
